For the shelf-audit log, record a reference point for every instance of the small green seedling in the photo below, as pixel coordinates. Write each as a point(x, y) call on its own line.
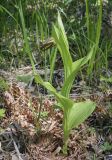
point(106, 146)
point(2, 113)
point(3, 85)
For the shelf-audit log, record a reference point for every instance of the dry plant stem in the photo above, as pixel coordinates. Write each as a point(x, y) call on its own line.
point(16, 148)
point(17, 151)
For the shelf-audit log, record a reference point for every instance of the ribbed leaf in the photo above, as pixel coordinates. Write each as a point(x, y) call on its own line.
point(76, 66)
point(74, 115)
point(60, 38)
point(62, 100)
point(78, 113)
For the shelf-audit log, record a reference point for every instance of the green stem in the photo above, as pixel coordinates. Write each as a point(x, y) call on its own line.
point(65, 141)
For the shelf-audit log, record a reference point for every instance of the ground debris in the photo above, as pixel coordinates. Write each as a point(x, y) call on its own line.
point(42, 138)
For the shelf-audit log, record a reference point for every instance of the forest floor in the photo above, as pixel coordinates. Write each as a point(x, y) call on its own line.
point(32, 126)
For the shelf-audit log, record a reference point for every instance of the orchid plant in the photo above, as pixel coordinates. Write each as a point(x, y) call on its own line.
point(73, 113)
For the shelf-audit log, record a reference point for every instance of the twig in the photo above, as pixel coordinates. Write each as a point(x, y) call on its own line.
point(16, 148)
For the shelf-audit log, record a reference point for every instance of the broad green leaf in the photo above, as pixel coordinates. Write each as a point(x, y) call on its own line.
point(78, 113)
point(60, 38)
point(64, 50)
point(76, 66)
point(65, 102)
point(62, 100)
point(65, 91)
point(62, 30)
point(74, 116)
